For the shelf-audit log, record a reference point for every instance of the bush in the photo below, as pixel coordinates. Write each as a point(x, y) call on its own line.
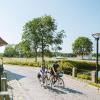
point(86, 65)
point(65, 65)
point(94, 84)
point(83, 76)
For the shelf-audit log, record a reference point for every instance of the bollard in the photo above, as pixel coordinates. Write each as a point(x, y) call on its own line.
point(93, 76)
point(4, 84)
point(74, 71)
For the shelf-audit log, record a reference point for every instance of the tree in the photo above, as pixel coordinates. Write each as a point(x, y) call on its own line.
point(58, 41)
point(48, 53)
point(30, 34)
point(82, 46)
point(10, 51)
point(46, 31)
point(41, 34)
point(23, 49)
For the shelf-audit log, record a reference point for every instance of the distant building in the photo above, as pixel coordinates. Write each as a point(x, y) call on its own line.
point(85, 56)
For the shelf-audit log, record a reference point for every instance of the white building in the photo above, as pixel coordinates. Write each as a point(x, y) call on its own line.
point(85, 57)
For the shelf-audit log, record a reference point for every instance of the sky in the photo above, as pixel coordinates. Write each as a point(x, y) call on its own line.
point(76, 17)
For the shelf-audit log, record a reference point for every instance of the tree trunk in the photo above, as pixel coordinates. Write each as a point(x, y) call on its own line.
point(42, 54)
point(82, 56)
point(36, 55)
point(42, 49)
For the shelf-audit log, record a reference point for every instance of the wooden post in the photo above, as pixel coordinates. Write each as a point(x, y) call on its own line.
point(93, 76)
point(74, 71)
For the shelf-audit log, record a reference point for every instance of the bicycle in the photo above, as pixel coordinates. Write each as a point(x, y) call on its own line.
point(57, 81)
point(44, 78)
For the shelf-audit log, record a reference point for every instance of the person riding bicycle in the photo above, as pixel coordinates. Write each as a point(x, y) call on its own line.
point(54, 70)
point(43, 68)
point(42, 72)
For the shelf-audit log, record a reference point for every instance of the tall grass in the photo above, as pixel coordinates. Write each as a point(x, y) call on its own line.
point(21, 61)
point(64, 63)
point(26, 61)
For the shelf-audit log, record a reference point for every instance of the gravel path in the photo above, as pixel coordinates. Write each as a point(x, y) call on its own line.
point(26, 86)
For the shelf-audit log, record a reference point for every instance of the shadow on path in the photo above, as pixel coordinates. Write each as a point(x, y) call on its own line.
point(58, 91)
point(72, 91)
point(65, 91)
point(13, 76)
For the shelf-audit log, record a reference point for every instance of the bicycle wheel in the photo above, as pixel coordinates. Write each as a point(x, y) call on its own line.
point(60, 83)
point(52, 83)
point(47, 82)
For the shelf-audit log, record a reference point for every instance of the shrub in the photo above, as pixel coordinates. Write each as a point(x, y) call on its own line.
point(83, 76)
point(65, 65)
point(84, 65)
point(94, 84)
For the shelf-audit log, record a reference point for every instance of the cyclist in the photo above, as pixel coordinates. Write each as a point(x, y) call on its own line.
point(43, 71)
point(54, 70)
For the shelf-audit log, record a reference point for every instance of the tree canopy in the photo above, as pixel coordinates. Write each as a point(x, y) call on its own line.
point(41, 34)
point(82, 46)
point(10, 51)
point(23, 49)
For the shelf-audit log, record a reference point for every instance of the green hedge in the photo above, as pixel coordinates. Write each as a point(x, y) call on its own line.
point(82, 66)
point(84, 76)
point(87, 65)
point(94, 84)
point(64, 64)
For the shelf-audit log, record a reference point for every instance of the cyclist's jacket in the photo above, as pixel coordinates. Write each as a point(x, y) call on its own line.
point(55, 66)
point(43, 69)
